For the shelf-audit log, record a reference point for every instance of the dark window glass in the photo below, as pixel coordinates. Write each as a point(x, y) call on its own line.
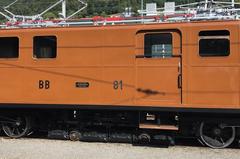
point(158, 45)
point(9, 47)
point(214, 47)
point(214, 43)
point(45, 46)
point(215, 33)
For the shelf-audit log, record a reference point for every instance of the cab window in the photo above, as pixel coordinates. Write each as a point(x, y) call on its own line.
point(45, 46)
point(9, 47)
point(214, 43)
point(158, 45)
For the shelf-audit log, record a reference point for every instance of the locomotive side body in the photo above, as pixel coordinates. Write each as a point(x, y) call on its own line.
point(105, 58)
point(153, 78)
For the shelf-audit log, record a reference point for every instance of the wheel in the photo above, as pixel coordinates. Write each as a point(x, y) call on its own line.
point(16, 127)
point(75, 135)
point(216, 135)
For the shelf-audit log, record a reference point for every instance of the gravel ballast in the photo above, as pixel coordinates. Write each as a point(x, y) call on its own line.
point(51, 149)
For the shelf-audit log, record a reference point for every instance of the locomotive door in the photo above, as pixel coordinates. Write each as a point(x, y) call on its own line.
point(158, 68)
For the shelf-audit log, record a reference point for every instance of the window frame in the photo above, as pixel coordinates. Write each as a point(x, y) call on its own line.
point(34, 56)
point(214, 36)
point(155, 56)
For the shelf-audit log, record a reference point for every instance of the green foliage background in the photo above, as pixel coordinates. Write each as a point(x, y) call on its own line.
point(95, 7)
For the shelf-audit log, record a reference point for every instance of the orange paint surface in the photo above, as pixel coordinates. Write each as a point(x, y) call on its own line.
point(102, 56)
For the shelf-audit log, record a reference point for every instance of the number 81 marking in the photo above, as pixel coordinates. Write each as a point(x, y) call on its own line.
point(118, 85)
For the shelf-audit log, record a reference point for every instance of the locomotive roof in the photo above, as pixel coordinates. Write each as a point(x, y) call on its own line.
point(164, 25)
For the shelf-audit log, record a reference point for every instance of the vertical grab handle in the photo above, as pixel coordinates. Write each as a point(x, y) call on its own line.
point(179, 81)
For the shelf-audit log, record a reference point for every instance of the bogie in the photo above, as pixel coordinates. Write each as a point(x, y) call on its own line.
point(121, 126)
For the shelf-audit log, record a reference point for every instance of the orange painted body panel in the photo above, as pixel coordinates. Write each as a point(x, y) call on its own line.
point(211, 82)
point(103, 55)
point(160, 76)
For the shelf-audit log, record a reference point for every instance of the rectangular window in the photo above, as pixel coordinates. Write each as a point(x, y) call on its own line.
point(9, 47)
point(158, 45)
point(214, 43)
point(45, 46)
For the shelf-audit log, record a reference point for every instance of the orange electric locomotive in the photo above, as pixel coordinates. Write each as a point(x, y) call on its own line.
point(146, 80)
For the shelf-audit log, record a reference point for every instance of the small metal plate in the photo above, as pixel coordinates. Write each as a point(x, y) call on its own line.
point(82, 84)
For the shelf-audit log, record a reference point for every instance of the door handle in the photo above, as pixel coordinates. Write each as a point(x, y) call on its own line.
point(179, 81)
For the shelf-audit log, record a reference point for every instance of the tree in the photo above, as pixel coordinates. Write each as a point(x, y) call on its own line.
point(49, 16)
point(95, 7)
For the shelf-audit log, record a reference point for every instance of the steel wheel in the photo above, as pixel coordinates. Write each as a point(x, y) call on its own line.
point(16, 127)
point(216, 135)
